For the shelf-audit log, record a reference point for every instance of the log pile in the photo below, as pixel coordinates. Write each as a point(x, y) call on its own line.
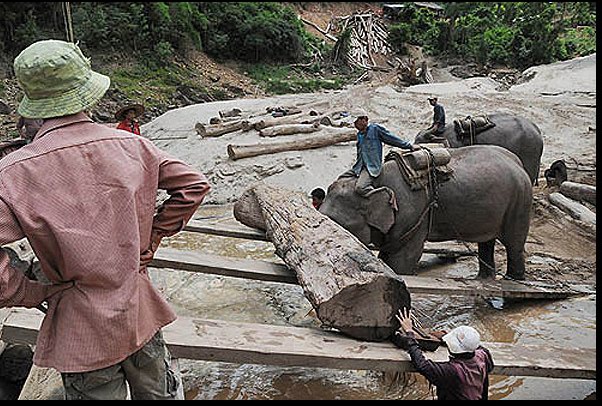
point(350, 289)
point(321, 130)
point(368, 39)
point(573, 199)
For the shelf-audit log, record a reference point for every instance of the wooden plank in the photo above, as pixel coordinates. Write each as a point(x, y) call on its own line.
point(277, 272)
point(223, 230)
point(248, 233)
point(223, 266)
point(247, 343)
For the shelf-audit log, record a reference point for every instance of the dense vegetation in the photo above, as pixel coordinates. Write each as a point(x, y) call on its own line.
point(247, 31)
point(517, 34)
point(267, 37)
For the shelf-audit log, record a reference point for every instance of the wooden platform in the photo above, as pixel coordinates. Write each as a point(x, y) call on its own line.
point(278, 272)
point(246, 343)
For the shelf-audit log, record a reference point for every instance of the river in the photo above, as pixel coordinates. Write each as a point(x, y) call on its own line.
point(565, 324)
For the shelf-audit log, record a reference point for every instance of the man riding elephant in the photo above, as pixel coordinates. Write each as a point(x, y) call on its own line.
point(369, 162)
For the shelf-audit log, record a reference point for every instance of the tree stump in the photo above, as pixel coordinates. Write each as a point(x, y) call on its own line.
point(350, 288)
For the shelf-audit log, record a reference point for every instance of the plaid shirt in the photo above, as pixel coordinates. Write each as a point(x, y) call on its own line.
point(84, 196)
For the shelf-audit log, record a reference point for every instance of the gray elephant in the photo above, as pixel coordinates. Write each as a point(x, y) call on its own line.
point(515, 133)
point(488, 197)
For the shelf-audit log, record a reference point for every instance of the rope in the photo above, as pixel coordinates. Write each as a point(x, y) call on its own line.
point(431, 197)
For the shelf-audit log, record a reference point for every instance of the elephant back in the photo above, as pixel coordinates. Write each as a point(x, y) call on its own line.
point(423, 167)
point(467, 128)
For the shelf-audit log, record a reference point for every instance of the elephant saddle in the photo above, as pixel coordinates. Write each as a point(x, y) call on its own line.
point(467, 128)
point(423, 167)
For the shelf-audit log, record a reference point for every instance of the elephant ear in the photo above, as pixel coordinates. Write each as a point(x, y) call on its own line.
point(380, 210)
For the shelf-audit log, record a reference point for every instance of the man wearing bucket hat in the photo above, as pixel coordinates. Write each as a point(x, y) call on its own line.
point(127, 117)
point(83, 194)
point(466, 375)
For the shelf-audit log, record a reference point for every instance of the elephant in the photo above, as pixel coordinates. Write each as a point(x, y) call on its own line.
point(517, 134)
point(488, 197)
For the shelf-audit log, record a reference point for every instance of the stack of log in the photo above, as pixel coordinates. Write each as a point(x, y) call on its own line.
point(368, 39)
point(574, 198)
point(325, 130)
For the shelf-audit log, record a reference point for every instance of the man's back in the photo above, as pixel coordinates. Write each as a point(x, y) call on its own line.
point(84, 196)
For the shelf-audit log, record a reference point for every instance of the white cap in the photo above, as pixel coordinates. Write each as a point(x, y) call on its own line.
point(462, 339)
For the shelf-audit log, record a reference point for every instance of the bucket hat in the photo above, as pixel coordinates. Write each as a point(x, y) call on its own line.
point(57, 80)
point(139, 108)
point(462, 339)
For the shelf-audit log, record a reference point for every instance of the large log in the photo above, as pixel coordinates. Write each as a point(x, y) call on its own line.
point(290, 130)
point(217, 130)
point(323, 139)
point(266, 122)
point(350, 289)
point(575, 209)
point(579, 192)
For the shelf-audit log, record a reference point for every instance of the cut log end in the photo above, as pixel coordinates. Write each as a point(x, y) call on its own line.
point(367, 312)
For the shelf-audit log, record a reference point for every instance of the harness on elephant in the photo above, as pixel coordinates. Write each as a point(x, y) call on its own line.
point(468, 128)
point(424, 170)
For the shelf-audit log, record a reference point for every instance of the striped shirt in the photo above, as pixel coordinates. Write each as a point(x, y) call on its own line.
point(84, 194)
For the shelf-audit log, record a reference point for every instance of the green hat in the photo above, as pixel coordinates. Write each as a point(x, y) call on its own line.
point(57, 80)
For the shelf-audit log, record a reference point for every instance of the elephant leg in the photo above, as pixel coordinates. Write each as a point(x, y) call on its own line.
point(404, 261)
point(486, 259)
point(514, 239)
point(516, 262)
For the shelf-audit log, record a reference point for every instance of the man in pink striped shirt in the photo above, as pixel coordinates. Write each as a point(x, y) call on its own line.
point(83, 194)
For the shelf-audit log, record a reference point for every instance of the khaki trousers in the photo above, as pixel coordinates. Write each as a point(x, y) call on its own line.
point(148, 373)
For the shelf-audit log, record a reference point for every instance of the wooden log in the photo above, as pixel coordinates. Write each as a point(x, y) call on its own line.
point(575, 209)
point(230, 113)
point(421, 159)
point(267, 122)
point(285, 346)
point(217, 130)
point(350, 288)
point(579, 192)
point(323, 139)
point(291, 129)
point(321, 31)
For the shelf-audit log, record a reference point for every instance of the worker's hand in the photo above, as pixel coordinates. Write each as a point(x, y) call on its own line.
point(405, 320)
point(147, 256)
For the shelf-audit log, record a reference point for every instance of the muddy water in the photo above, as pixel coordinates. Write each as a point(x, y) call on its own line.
point(564, 323)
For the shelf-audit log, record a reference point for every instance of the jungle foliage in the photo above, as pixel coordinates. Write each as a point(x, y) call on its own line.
point(517, 34)
point(245, 31)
